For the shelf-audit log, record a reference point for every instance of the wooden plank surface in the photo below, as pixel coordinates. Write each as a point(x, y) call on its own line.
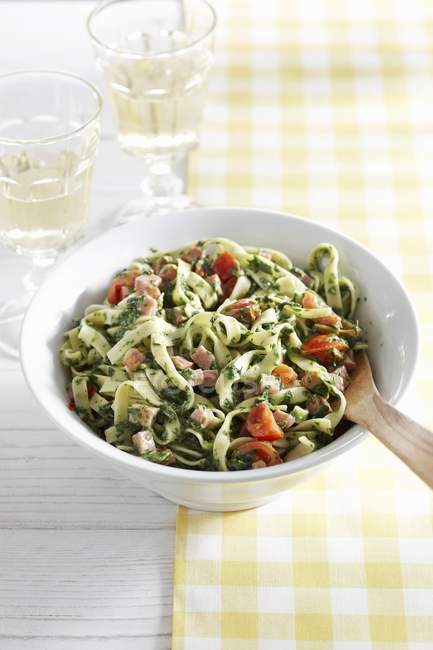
point(86, 556)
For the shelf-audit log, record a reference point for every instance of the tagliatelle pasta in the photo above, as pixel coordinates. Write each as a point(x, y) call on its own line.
point(217, 356)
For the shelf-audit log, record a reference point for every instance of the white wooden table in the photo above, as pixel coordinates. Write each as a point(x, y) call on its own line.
point(86, 557)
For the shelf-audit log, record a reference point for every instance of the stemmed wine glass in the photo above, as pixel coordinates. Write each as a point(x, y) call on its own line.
point(49, 132)
point(156, 56)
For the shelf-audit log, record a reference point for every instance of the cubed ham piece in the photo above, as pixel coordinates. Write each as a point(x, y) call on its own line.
point(161, 261)
point(250, 392)
point(243, 432)
point(179, 315)
point(205, 417)
point(332, 319)
point(215, 283)
point(342, 379)
point(181, 363)
point(196, 377)
point(198, 415)
point(147, 415)
point(170, 460)
point(349, 361)
point(309, 300)
point(311, 380)
point(318, 406)
point(148, 284)
point(192, 254)
point(307, 279)
point(245, 307)
point(269, 383)
point(142, 415)
point(202, 358)
point(133, 359)
point(209, 377)
point(304, 277)
point(283, 419)
point(168, 273)
point(143, 441)
point(148, 306)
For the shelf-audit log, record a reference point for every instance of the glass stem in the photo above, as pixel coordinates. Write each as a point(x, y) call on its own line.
point(163, 186)
point(40, 265)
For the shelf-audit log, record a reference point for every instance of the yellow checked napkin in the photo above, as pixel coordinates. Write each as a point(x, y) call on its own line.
point(343, 561)
point(323, 108)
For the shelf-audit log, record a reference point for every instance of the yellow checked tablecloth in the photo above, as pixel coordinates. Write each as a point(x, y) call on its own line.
point(323, 108)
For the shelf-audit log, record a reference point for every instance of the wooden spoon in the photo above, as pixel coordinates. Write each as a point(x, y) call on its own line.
point(411, 442)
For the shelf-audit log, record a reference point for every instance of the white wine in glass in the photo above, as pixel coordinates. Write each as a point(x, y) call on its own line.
point(49, 133)
point(159, 118)
point(43, 203)
point(156, 56)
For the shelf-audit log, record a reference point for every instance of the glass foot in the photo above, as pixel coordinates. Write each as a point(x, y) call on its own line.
point(11, 316)
point(137, 209)
point(20, 277)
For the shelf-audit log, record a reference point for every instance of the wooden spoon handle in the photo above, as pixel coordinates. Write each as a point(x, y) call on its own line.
point(407, 439)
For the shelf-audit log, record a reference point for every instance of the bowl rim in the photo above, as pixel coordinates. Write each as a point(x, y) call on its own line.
point(102, 449)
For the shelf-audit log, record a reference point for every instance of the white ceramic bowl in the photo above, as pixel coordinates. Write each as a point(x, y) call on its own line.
point(386, 314)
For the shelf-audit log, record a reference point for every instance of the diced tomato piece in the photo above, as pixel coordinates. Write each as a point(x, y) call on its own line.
point(261, 423)
point(285, 373)
point(224, 266)
point(259, 451)
point(327, 348)
point(115, 292)
point(71, 405)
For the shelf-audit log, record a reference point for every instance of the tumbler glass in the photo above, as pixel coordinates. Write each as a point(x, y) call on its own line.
point(49, 132)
